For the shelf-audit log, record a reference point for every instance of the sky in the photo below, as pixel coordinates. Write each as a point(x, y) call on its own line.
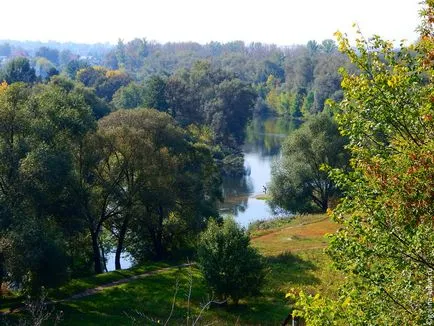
point(282, 22)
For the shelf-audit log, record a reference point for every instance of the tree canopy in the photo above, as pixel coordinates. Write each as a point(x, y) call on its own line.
point(299, 182)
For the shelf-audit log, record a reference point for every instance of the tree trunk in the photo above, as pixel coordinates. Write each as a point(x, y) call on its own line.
point(2, 272)
point(159, 236)
point(156, 237)
point(159, 250)
point(96, 252)
point(325, 205)
point(120, 245)
point(156, 233)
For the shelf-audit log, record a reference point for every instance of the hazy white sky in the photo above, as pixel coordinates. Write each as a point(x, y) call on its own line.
point(282, 22)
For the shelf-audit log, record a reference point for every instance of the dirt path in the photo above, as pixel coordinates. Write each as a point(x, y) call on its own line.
point(102, 287)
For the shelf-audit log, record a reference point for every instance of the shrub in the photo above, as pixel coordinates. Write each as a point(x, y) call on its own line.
point(231, 267)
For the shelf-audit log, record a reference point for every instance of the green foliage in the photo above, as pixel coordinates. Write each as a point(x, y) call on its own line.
point(210, 96)
point(18, 70)
point(167, 183)
point(99, 107)
point(299, 184)
point(154, 95)
point(40, 129)
point(311, 78)
point(385, 244)
point(35, 256)
point(73, 66)
point(129, 97)
point(48, 53)
point(231, 267)
point(105, 82)
point(329, 46)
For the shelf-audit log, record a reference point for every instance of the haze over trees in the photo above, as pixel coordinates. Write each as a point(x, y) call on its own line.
point(292, 81)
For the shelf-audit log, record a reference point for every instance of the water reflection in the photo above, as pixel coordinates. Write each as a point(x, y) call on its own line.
point(264, 139)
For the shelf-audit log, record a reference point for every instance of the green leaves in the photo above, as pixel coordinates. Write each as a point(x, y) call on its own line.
point(386, 243)
point(231, 267)
point(40, 131)
point(299, 184)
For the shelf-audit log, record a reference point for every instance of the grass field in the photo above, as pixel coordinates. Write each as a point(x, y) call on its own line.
point(293, 249)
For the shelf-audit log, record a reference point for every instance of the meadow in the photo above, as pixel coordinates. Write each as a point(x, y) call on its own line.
point(292, 247)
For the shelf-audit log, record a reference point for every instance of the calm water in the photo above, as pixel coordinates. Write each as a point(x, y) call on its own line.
point(264, 139)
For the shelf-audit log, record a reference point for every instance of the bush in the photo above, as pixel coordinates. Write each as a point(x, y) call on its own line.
point(231, 267)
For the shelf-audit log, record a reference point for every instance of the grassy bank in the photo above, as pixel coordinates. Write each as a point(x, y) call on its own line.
point(293, 249)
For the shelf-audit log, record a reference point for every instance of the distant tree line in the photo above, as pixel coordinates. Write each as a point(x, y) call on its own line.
point(294, 81)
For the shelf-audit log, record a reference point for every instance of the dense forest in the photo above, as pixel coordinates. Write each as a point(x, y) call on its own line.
point(123, 149)
point(125, 146)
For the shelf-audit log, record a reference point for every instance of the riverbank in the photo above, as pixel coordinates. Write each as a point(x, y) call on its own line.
point(295, 256)
point(245, 196)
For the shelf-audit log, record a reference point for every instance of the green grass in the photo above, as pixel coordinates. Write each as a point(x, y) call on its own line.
point(295, 250)
point(263, 227)
point(295, 255)
point(79, 285)
point(262, 197)
point(152, 298)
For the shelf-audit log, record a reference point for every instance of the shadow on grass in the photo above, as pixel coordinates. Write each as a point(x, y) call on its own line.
point(288, 270)
point(150, 297)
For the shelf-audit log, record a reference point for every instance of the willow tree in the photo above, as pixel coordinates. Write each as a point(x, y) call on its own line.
point(385, 245)
point(299, 183)
point(167, 181)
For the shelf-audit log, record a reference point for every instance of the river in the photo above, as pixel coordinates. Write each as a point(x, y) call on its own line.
point(264, 138)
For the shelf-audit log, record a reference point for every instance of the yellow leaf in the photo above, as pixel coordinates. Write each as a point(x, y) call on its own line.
point(346, 302)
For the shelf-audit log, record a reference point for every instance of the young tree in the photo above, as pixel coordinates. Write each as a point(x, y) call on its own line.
point(154, 95)
point(231, 267)
point(129, 97)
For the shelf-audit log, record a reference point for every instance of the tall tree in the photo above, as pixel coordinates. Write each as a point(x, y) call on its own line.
point(163, 176)
point(129, 97)
point(155, 93)
point(298, 182)
point(41, 128)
